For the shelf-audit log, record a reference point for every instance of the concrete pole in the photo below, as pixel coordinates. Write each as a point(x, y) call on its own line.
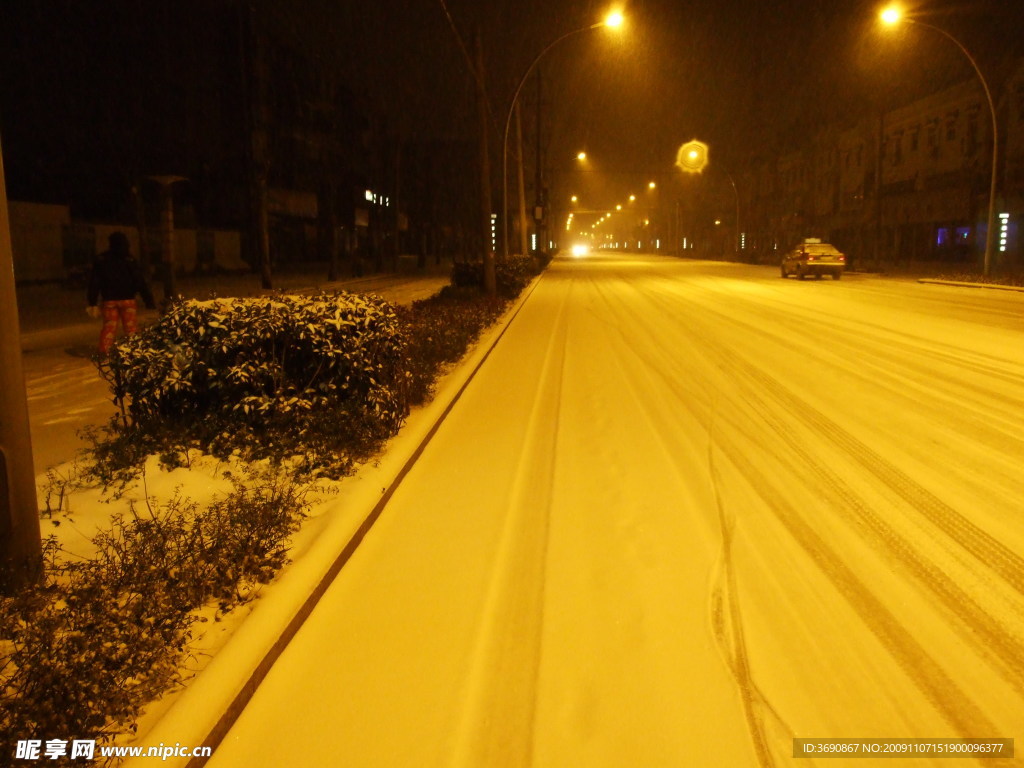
point(167, 233)
point(490, 277)
point(539, 201)
point(167, 241)
point(524, 246)
point(20, 540)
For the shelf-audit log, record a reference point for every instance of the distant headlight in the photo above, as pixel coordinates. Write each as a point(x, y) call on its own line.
point(580, 250)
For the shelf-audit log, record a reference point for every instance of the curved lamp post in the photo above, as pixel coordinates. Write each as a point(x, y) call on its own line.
point(892, 16)
point(612, 20)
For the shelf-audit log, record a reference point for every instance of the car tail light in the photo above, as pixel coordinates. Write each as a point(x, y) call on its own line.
point(811, 258)
point(842, 258)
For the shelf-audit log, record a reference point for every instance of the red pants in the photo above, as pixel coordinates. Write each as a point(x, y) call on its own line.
point(112, 312)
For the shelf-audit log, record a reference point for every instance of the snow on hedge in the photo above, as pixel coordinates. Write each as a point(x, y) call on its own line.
point(261, 376)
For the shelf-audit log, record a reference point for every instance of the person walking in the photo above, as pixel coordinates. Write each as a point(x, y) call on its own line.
point(116, 278)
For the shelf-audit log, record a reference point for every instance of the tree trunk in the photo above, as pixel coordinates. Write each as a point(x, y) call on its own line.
point(259, 162)
point(490, 281)
point(524, 247)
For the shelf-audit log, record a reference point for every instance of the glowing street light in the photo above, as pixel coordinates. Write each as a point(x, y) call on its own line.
point(692, 157)
point(612, 20)
point(893, 15)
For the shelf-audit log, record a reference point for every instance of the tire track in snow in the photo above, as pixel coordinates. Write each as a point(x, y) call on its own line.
point(987, 550)
point(945, 695)
point(913, 362)
point(497, 725)
point(1001, 646)
point(725, 614)
point(926, 673)
point(725, 605)
point(906, 343)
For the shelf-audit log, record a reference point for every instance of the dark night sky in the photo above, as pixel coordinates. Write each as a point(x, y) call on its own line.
point(723, 69)
point(743, 75)
point(747, 76)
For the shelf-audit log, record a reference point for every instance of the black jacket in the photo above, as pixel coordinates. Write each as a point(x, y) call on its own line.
point(116, 276)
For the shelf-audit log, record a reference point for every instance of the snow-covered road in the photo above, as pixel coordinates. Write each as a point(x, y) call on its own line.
point(684, 513)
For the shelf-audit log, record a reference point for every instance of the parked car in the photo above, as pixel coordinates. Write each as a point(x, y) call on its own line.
point(813, 257)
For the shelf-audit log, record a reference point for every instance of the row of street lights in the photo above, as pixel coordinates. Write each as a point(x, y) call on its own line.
point(692, 157)
point(612, 20)
point(606, 214)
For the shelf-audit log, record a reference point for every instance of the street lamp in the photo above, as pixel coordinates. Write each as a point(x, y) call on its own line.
point(893, 15)
point(692, 157)
point(613, 20)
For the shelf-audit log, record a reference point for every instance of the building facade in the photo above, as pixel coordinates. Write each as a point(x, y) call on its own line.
point(908, 185)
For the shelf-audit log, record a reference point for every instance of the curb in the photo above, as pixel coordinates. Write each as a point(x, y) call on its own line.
point(960, 284)
point(206, 710)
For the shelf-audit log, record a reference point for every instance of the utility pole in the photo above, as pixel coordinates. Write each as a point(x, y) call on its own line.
point(538, 182)
point(327, 224)
point(396, 207)
point(168, 267)
point(254, 74)
point(877, 240)
point(140, 223)
point(490, 280)
point(524, 247)
point(20, 541)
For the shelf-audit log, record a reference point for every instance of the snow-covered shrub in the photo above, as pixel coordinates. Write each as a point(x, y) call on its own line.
point(542, 259)
point(82, 656)
point(83, 652)
point(511, 275)
point(439, 330)
point(322, 377)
